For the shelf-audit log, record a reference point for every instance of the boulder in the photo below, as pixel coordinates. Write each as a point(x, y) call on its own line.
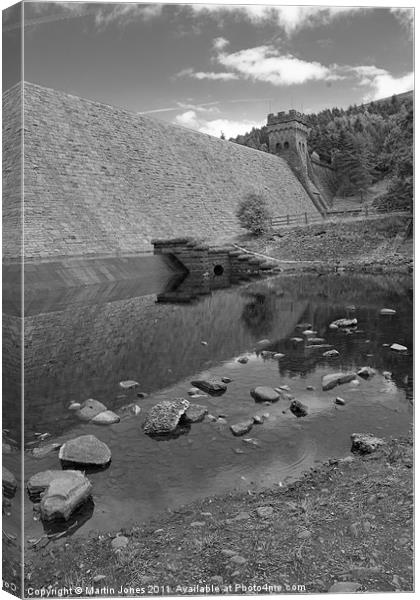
point(309, 332)
point(129, 384)
point(398, 348)
point(164, 418)
point(343, 323)
point(258, 419)
point(330, 381)
point(365, 443)
point(331, 353)
point(106, 417)
point(60, 492)
point(366, 372)
point(64, 495)
point(242, 428)
point(85, 450)
point(264, 393)
point(210, 386)
point(193, 391)
point(89, 409)
point(243, 360)
point(387, 311)
point(194, 413)
point(9, 483)
point(298, 409)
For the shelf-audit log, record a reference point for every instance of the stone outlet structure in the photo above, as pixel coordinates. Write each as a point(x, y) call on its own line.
point(207, 268)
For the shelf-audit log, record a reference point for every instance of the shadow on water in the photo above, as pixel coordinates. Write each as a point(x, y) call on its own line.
point(84, 351)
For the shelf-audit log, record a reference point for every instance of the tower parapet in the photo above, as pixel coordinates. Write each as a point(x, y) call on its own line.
point(287, 117)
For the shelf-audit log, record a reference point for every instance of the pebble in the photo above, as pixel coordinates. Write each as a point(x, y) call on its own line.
point(243, 360)
point(128, 384)
point(310, 387)
point(119, 542)
point(226, 379)
point(279, 355)
point(340, 401)
point(265, 511)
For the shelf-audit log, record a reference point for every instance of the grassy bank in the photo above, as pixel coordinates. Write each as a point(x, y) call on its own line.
point(377, 243)
point(346, 521)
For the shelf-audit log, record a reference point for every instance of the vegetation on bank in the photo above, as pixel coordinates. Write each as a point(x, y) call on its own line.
point(348, 521)
point(365, 144)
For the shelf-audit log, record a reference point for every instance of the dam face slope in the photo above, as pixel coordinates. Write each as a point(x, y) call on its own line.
point(100, 180)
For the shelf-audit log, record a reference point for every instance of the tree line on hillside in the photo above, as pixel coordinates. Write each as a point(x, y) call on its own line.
point(365, 144)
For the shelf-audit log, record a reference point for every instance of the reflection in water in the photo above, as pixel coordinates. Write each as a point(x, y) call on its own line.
point(84, 351)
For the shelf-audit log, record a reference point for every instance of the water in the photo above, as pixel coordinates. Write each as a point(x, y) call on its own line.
point(84, 351)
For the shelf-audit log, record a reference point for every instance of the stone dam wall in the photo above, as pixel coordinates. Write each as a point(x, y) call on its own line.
point(101, 180)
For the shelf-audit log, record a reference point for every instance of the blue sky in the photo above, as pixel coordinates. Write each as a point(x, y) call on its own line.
point(222, 67)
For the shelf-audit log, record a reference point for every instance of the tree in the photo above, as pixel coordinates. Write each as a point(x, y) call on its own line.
point(253, 214)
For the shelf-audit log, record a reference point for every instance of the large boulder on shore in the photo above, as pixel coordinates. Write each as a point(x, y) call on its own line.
point(330, 381)
point(9, 483)
point(61, 492)
point(164, 418)
point(85, 450)
point(365, 443)
point(210, 386)
point(263, 393)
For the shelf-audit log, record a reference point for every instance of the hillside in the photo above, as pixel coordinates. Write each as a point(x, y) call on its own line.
point(364, 144)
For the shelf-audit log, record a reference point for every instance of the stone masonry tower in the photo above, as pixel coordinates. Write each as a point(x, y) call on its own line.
point(288, 138)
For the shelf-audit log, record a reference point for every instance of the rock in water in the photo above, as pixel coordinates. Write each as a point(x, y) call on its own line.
point(242, 428)
point(210, 386)
point(106, 417)
point(61, 492)
point(43, 451)
point(387, 311)
point(164, 418)
point(9, 483)
point(128, 384)
point(398, 348)
point(194, 413)
point(85, 450)
point(343, 323)
point(64, 495)
point(331, 353)
point(89, 409)
point(298, 409)
point(366, 372)
point(365, 443)
point(243, 360)
point(264, 393)
point(340, 401)
point(330, 381)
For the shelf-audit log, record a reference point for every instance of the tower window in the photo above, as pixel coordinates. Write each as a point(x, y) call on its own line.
point(278, 147)
point(286, 145)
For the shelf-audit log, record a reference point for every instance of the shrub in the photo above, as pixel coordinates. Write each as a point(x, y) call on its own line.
point(253, 214)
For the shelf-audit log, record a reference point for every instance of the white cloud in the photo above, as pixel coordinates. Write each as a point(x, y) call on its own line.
point(265, 63)
point(289, 18)
point(207, 75)
point(123, 14)
point(215, 127)
point(220, 43)
point(384, 85)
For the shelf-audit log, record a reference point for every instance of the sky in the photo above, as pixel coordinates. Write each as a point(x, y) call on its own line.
point(215, 68)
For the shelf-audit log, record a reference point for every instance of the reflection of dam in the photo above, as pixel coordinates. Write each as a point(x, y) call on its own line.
point(84, 352)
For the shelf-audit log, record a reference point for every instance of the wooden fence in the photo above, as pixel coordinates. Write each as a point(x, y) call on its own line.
point(307, 218)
